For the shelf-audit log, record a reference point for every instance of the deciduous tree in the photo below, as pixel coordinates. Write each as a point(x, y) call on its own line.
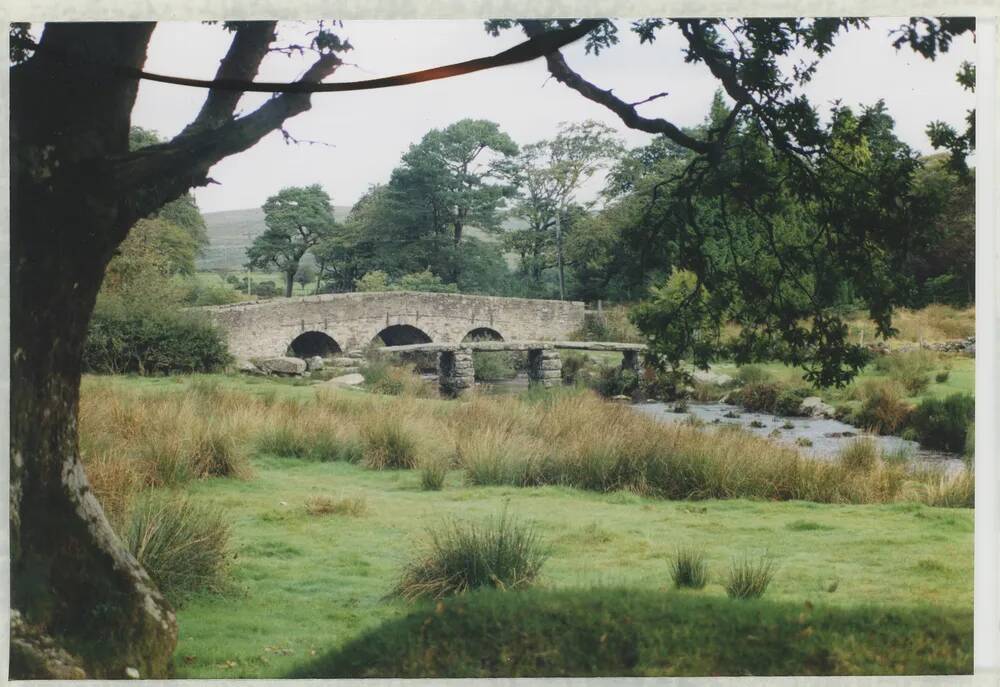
point(297, 219)
point(76, 190)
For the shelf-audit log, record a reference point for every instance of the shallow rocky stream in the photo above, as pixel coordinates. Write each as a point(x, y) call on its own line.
point(828, 436)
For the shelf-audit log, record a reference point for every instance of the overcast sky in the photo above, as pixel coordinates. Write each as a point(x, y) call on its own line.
point(369, 130)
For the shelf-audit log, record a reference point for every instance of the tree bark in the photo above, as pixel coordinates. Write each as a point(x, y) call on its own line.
point(75, 192)
point(70, 575)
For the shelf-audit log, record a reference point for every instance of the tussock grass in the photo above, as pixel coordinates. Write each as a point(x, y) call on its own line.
point(883, 406)
point(749, 578)
point(689, 568)
point(355, 506)
point(183, 546)
point(861, 454)
point(433, 473)
point(132, 440)
point(388, 443)
point(384, 377)
point(503, 554)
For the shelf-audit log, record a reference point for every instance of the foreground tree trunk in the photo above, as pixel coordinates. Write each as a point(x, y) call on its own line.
point(75, 192)
point(70, 574)
point(82, 605)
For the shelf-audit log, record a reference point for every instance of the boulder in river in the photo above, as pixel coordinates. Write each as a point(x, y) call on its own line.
point(813, 406)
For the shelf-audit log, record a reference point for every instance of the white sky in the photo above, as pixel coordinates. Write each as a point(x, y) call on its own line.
point(371, 129)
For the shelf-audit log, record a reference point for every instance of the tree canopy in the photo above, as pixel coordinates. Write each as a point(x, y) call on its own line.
point(297, 219)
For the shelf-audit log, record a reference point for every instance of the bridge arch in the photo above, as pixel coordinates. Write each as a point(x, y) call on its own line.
point(313, 343)
point(402, 335)
point(482, 334)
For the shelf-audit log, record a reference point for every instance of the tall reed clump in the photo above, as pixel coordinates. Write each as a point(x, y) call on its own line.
point(384, 377)
point(503, 553)
point(183, 545)
point(131, 440)
point(883, 407)
point(433, 473)
point(860, 454)
point(689, 568)
point(578, 440)
point(749, 578)
point(388, 442)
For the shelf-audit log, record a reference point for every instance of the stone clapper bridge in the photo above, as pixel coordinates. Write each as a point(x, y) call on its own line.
point(451, 325)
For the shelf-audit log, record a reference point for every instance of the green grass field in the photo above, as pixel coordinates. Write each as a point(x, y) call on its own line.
point(309, 594)
point(308, 584)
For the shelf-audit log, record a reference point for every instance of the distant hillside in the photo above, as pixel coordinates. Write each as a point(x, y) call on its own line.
point(231, 232)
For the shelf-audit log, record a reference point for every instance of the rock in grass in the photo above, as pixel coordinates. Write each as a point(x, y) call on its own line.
point(352, 379)
point(283, 365)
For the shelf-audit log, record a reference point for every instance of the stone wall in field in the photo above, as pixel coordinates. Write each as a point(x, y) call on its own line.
point(353, 320)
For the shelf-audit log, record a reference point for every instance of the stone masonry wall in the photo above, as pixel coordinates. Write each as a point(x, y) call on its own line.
point(266, 328)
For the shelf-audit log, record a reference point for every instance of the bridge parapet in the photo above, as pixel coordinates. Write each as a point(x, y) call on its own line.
point(351, 321)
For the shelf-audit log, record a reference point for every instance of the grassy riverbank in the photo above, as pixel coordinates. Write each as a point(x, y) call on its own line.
point(317, 542)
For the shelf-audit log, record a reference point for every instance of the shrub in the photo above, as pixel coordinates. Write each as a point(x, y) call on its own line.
point(942, 377)
point(789, 401)
point(859, 455)
point(944, 423)
point(749, 579)
point(183, 545)
point(911, 370)
point(613, 324)
point(265, 289)
point(128, 338)
point(354, 506)
point(689, 569)
point(759, 396)
point(502, 554)
point(752, 374)
point(573, 364)
point(493, 366)
point(376, 280)
point(883, 409)
point(197, 293)
point(387, 444)
point(616, 381)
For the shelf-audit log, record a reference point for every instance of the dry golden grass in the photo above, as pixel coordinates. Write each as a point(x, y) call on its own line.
point(133, 440)
point(354, 506)
point(934, 323)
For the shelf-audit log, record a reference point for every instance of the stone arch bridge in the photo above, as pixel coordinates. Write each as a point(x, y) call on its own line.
point(343, 322)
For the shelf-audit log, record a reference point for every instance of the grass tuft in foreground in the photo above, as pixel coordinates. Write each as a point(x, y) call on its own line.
point(183, 546)
point(749, 578)
point(689, 569)
point(503, 554)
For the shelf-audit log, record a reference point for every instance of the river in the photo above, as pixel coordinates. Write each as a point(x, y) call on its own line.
point(827, 436)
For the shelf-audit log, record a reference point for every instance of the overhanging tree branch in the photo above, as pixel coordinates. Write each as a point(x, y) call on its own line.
point(536, 46)
point(249, 46)
point(563, 73)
